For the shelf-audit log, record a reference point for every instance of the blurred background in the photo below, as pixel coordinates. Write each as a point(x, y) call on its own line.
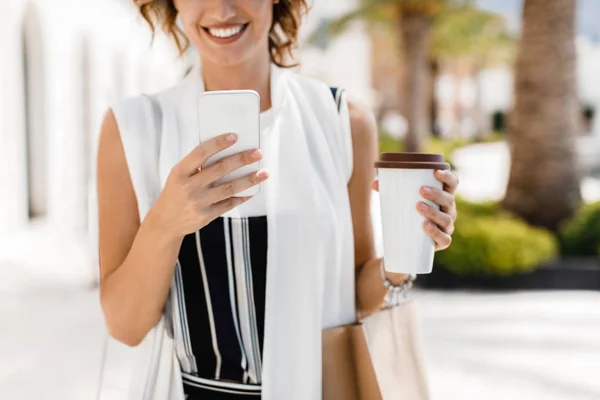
point(507, 90)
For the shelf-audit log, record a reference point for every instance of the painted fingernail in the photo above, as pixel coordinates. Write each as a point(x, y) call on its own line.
point(231, 137)
point(256, 154)
point(262, 174)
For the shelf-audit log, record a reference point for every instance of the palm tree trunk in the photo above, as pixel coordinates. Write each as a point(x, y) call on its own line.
point(482, 124)
point(457, 104)
point(434, 71)
point(543, 185)
point(415, 29)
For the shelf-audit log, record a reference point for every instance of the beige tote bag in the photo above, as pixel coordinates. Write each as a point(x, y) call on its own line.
point(379, 358)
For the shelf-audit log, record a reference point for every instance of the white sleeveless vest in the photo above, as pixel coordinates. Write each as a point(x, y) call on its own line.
point(310, 257)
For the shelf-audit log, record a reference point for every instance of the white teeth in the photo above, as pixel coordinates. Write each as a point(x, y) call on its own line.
point(225, 33)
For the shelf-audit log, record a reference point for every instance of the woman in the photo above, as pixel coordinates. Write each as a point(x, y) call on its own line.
point(246, 284)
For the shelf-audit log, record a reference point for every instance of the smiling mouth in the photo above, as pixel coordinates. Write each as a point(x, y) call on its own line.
point(227, 34)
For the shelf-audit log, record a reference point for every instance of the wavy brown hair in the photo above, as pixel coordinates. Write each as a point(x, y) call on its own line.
point(283, 36)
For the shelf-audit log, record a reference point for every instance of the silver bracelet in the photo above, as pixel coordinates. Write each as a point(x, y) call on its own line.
point(396, 294)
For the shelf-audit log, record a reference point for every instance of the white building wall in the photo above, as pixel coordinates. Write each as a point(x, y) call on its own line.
point(121, 63)
point(11, 120)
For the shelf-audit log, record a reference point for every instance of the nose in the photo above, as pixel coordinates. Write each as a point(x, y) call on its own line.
point(223, 10)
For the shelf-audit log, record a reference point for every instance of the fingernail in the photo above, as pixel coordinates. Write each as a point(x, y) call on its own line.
point(429, 226)
point(426, 190)
point(262, 174)
point(256, 154)
point(231, 137)
point(422, 207)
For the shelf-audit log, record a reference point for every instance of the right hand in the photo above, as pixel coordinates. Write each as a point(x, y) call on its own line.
point(190, 201)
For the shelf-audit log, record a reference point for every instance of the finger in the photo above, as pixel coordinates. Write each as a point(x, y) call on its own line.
point(195, 159)
point(452, 211)
point(230, 164)
point(440, 197)
point(229, 189)
point(375, 185)
point(442, 239)
point(449, 179)
point(220, 208)
point(443, 220)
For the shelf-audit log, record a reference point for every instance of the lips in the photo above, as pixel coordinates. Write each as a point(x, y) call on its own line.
point(226, 34)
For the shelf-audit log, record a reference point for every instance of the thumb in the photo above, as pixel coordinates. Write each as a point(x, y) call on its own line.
point(375, 185)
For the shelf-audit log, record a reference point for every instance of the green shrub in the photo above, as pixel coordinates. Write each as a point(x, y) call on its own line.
point(389, 144)
point(489, 242)
point(482, 209)
point(494, 136)
point(580, 236)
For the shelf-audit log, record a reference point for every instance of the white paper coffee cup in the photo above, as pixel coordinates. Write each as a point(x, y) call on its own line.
point(406, 247)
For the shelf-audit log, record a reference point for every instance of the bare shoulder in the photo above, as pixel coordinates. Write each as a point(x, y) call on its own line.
point(361, 117)
point(109, 131)
point(364, 131)
point(117, 206)
point(112, 165)
point(111, 154)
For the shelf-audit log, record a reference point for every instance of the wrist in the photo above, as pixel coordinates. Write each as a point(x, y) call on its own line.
point(395, 278)
point(397, 285)
point(153, 226)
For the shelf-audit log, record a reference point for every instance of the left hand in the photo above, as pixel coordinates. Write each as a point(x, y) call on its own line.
point(440, 223)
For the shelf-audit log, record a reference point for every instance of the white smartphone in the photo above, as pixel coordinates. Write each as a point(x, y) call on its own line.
point(236, 111)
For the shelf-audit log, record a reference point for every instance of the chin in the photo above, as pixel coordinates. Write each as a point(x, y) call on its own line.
point(223, 60)
point(225, 57)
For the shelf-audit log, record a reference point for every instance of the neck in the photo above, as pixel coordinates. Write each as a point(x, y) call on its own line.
point(251, 75)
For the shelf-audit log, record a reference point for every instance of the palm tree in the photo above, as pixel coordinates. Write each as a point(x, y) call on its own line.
point(475, 38)
point(414, 20)
point(428, 30)
point(543, 185)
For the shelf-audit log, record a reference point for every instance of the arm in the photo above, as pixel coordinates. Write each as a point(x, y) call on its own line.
point(370, 290)
point(137, 259)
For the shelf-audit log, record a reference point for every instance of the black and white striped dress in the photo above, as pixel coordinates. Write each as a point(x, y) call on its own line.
point(222, 273)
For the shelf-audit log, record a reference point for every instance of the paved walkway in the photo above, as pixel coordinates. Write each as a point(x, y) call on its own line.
point(520, 346)
point(51, 340)
point(523, 346)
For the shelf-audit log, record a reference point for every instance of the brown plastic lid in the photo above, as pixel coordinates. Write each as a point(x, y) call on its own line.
point(412, 161)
